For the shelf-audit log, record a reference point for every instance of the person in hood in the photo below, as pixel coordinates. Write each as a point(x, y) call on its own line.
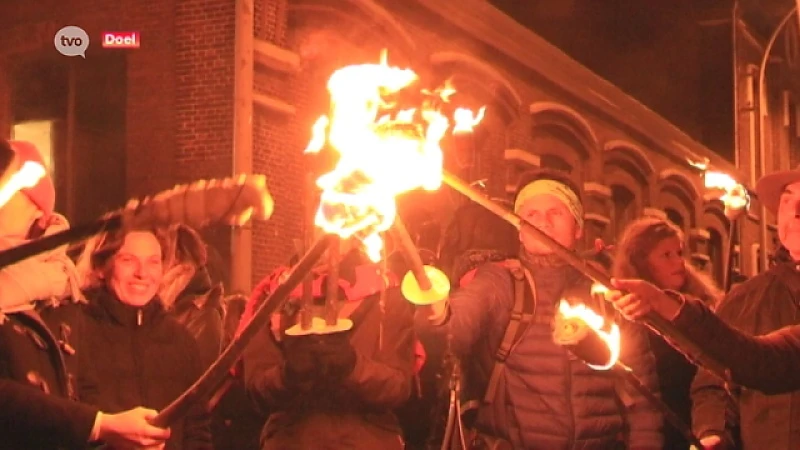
point(38, 361)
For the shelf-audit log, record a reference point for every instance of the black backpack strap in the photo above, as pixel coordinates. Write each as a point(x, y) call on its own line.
point(521, 316)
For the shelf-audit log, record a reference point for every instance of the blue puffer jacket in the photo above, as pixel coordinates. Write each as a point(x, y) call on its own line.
point(546, 399)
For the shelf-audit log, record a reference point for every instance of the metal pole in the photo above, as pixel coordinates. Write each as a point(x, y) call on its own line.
point(763, 108)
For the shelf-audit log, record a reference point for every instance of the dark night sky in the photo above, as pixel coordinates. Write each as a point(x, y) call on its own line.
point(674, 57)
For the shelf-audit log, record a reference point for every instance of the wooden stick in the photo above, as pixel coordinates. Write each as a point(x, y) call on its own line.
point(653, 320)
point(411, 254)
point(16, 254)
point(216, 374)
point(306, 313)
point(332, 294)
point(670, 415)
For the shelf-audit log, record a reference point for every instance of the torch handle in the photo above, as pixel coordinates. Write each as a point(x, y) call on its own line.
point(16, 254)
point(654, 321)
point(332, 294)
point(215, 375)
point(411, 254)
point(654, 400)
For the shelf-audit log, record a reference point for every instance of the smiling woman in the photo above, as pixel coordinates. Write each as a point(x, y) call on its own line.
point(141, 354)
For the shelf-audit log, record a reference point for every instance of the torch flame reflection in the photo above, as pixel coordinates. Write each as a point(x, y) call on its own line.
point(383, 150)
point(596, 322)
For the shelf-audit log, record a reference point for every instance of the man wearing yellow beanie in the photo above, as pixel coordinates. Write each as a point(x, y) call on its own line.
point(531, 393)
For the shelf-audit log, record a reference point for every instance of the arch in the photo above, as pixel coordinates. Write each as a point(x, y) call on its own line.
point(632, 152)
point(507, 95)
point(623, 171)
point(680, 179)
point(573, 122)
point(624, 208)
point(675, 216)
point(378, 15)
point(715, 222)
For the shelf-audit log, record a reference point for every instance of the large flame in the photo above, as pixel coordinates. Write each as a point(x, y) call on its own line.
point(609, 335)
point(384, 150)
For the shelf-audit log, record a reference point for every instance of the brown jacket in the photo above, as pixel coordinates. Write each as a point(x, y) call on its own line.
point(762, 305)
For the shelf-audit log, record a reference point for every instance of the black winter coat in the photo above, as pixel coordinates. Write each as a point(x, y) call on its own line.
point(38, 390)
point(354, 414)
point(546, 399)
point(143, 357)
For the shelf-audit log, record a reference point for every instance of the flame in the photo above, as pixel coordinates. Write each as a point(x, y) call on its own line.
point(701, 165)
point(735, 195)
point(466, 120)
point(599, 289)
point(597, 323)
point(26, 177)
point(383, 150)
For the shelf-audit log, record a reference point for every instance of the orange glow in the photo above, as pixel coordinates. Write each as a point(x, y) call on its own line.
point(596, 323)
point(735, 195)
point(383, 150)
point(26, 177)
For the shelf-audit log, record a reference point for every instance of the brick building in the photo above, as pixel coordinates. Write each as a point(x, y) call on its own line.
point(204, 96)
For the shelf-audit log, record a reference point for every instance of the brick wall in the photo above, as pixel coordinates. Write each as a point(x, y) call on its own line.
point(203, 46)
point(277, 147)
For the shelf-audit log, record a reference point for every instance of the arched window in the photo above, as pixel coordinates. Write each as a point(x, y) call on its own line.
point(716, 255)
point(556, 163)
point(675, 217)
point(624, 208)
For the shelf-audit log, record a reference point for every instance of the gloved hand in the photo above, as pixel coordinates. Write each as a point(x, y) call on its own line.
point(300, 362)
point(336, 355)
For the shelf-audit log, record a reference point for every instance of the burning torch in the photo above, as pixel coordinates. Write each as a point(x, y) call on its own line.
point(586, 335)
point(736, 199)
point(654, 321)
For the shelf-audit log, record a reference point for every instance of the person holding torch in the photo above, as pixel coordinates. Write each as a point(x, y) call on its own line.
point(767, 304)
point(538, 396)
point(38, 393)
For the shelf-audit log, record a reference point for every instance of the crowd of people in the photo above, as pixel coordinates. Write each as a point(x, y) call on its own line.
point(93, 346)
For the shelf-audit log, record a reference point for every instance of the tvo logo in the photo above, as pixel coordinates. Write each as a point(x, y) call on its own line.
point(72, 41)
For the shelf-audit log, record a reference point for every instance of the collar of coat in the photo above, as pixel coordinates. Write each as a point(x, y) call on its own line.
point(107, 303)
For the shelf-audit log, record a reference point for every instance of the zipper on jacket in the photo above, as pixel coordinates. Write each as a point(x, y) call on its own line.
point(139, 317)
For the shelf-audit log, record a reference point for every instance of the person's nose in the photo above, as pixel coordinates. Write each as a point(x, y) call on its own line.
point(138, 270)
